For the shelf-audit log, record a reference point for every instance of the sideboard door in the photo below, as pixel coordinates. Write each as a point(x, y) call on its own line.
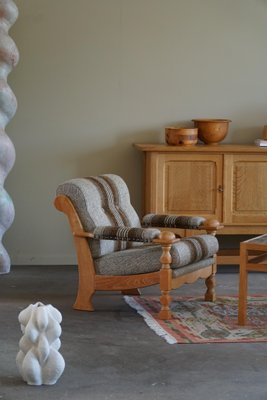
point(185, 184)
point(246, 189)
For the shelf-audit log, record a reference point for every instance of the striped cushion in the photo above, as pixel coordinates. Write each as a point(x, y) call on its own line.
point(172, 221)
point(102, 201)
point(189, 254)
point(193, 249)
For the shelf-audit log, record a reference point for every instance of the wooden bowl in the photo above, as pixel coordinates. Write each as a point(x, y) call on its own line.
point(175, 136)
point(212, 131)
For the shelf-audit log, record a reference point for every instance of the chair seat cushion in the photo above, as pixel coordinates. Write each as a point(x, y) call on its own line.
point(195, 252)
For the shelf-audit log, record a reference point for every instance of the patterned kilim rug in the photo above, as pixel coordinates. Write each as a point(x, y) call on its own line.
point(197, 321)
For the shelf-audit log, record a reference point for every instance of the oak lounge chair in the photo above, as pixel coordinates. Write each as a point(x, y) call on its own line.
point(115, 252)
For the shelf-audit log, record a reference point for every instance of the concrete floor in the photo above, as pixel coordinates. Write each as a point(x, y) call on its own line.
point(112, 354)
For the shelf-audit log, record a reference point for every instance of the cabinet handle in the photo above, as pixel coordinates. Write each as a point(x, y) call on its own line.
point(220, 188)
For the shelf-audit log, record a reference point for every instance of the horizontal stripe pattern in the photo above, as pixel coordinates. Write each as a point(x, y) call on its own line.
point(172, 221)
point(144, 235)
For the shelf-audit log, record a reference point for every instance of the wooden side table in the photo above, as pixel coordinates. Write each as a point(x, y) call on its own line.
point(253, 257)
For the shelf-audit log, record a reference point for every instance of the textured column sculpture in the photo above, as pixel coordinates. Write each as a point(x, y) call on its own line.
point(9, 57)
point(38, 360)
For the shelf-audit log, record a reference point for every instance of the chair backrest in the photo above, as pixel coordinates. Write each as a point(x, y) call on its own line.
point(101, 201)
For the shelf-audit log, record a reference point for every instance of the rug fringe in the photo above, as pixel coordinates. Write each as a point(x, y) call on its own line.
point(150, 321)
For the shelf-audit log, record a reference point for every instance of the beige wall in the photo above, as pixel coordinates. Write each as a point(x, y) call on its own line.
point(97, 75)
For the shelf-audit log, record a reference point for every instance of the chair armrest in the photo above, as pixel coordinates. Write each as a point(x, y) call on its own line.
point(144, 235)
point(182, 222)
point(173, 221)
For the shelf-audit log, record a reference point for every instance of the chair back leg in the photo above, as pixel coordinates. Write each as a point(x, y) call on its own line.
point(210, 282)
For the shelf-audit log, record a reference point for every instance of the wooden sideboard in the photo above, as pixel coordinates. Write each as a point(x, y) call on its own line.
point(225, 182)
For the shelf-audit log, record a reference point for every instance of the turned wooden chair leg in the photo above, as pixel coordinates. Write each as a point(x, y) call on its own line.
point(165, 276)
point(211, 284)
point(165, 301)
point(131, 292)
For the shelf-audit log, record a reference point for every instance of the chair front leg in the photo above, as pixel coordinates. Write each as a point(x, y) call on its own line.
point(165, 288)
point(86, 286)
point(166, 240)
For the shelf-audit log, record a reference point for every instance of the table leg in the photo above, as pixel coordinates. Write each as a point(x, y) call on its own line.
point(243, 285)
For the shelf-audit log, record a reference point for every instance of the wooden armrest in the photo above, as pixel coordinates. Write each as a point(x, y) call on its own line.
point(211, 226)
point(166, 238)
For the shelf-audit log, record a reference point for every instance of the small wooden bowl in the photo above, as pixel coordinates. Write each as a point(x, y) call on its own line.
point(175, 136)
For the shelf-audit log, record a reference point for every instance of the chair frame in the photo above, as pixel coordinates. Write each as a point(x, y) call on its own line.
point(90, 281)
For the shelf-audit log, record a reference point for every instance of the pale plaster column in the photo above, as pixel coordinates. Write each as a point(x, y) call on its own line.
point(9, 57)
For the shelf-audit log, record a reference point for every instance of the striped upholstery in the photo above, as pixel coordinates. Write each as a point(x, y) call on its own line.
point(172, 221)
point(102, 201)
point(144, 235)
point(195, 252)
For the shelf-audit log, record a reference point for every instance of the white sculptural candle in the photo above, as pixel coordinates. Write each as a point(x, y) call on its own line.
point(38, 359)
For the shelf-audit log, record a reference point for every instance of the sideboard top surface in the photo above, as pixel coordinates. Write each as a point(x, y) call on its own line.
point(220, 148)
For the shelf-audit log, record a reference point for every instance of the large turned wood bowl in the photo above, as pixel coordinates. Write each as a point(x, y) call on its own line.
point(212, 131)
